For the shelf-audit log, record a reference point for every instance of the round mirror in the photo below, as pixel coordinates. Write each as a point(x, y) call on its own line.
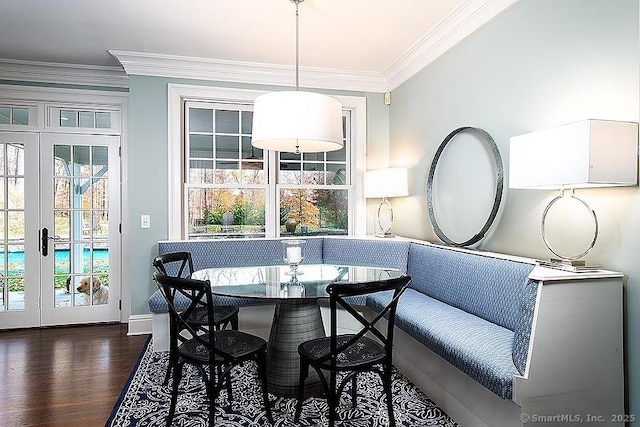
point(464, 188)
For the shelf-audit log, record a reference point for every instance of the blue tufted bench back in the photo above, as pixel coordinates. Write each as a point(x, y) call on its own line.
point(490, 288)
point(379, 253)
point(240, 252)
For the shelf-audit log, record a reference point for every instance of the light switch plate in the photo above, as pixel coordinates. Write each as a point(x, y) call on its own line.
point(145, 221)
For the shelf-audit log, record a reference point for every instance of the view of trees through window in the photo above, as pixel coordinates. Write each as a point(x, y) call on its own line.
point(81, 213)
point(12, 226)
point(228, 190)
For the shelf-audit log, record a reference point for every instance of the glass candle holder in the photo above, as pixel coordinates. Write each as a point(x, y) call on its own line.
point(293, 253)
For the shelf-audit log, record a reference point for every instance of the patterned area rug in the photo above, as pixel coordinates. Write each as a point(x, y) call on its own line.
point(144, 401)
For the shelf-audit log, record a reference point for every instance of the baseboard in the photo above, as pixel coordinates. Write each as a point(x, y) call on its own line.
point(139, 324)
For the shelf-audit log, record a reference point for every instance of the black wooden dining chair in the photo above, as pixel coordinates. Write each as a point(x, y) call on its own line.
point(180, 264)
point(369, 350)
point(219, 350)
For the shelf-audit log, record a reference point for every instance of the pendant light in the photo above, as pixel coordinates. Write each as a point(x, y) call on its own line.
point(297, 121)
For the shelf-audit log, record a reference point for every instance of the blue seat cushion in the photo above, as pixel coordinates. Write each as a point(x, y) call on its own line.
point(477, 347)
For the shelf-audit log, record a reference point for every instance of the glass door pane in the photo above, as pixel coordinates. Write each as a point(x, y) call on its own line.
point(19, 269)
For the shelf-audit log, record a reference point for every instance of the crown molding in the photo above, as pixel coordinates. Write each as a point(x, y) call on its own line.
point(184, 67)
point(466, 19)
point(57, 73)
point(461, 23)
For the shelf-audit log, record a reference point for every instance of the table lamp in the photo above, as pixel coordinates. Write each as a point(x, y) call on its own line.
point(585, 154)
point(386, 183)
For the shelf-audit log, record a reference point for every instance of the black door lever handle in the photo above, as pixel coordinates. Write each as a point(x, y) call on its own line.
point(44, 239)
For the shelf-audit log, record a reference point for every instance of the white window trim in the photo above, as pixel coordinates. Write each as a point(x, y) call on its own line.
point(178, 93)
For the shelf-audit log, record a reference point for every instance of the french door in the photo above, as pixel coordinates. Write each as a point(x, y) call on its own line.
point(61, 238)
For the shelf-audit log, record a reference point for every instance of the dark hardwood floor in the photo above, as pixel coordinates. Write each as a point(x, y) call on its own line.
point(66, 376)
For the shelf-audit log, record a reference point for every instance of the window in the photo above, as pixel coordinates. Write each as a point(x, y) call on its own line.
point(78, 120)
point(223, 187)
point(314, 190)
point(20, 116)
point(226, 187)
point(85, 119)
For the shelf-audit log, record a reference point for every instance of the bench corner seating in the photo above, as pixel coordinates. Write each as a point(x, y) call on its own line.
point(490, 338)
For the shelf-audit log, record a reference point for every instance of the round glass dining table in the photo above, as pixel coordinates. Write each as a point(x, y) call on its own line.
point(297, 316)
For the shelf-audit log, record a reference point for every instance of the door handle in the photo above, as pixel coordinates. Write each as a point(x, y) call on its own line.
point(44, 241)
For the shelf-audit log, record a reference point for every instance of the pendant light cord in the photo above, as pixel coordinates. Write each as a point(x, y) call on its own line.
point(297, 3)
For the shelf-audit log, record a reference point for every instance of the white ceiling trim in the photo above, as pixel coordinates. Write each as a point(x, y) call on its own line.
point(71, 74)
point(462, 22)
point(467, 18)
point(175, 66)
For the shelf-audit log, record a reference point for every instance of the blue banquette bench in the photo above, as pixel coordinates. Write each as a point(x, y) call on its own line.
point(472, 312)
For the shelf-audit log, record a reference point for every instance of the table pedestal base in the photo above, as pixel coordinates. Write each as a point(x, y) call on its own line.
point(294, 321)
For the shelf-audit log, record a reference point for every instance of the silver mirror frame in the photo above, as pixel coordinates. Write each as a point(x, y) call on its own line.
point(498, 191)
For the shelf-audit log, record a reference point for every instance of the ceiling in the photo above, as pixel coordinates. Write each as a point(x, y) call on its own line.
point(380, 39)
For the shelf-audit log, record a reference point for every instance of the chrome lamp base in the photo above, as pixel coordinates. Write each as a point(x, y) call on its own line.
point(385, 232)
point(385, 235)
point(575, 266)
point(569, 262)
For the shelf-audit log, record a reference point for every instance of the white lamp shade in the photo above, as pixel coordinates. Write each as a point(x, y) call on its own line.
point(590, 153)
point(389, 182)
point(304, 121)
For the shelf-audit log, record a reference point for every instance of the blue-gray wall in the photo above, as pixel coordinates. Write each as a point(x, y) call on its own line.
point(540, 64)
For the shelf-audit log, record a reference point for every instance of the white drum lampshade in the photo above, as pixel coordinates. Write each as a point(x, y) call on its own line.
point(297, 122)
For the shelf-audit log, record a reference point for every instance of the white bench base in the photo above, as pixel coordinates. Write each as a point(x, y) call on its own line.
point(253, 319)
point(160, 331)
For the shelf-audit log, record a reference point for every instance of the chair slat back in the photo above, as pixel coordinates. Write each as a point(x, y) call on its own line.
point(338, 292)
point(177, 264)
point(199, 297)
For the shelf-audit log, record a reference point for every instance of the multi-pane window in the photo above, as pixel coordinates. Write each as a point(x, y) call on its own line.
point(81, 222)
point(85, 119)
point(228, 191)
point(226, 180)
point(12, 227)
point(14, 116)
point(314, 191)
point(78, 120)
